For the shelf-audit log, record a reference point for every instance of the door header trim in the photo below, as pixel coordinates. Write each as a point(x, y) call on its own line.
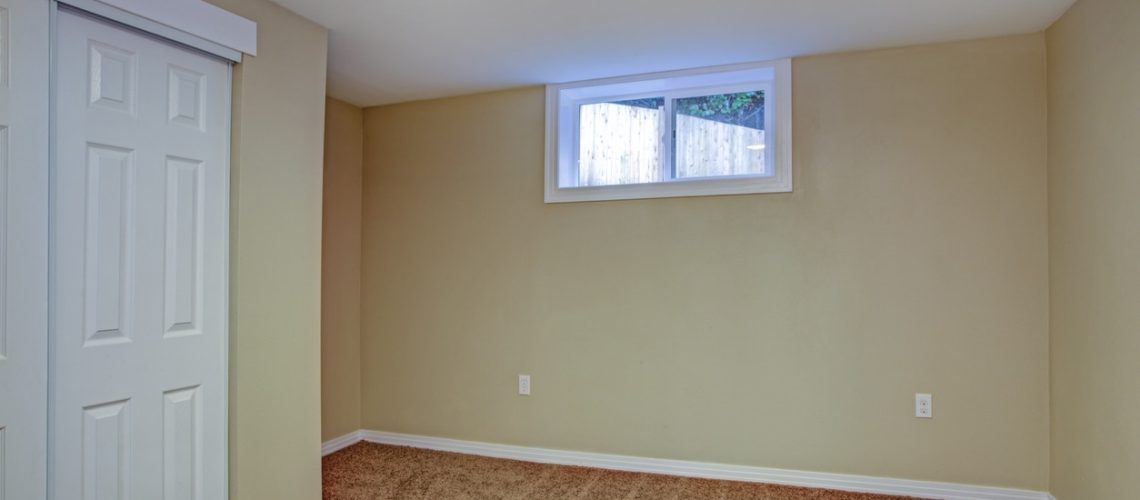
point(189, 22)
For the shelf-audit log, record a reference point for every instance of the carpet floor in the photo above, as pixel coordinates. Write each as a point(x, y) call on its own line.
point(368, 471)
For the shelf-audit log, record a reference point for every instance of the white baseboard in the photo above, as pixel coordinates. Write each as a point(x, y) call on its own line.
point(846, 482)
point(339, 443)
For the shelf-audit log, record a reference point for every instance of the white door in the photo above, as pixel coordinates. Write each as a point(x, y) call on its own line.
point(23, 248)
point(139, 277)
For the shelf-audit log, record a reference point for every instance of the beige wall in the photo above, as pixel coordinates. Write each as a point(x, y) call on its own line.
point(275, 259)
point(1094, 205)
point(776, 330)
point(340, 270)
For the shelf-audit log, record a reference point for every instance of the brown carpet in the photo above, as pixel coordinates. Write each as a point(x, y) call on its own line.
point(367, 471)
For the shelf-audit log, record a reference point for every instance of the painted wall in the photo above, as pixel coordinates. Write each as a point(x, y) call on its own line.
point(275, 259)
point(340, 270)
point(782, 330)
point(1094, 248)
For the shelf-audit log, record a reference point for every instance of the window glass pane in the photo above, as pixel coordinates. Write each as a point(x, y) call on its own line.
point(620, 142)
point(718, 135)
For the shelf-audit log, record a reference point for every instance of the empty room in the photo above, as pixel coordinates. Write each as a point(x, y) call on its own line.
point(627, 250)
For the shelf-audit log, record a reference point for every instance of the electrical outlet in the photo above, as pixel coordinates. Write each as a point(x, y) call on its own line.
point(524, 385)
point(923, 405)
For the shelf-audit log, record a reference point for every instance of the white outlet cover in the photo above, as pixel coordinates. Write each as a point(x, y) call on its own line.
point(923, 405)
point(524, 385)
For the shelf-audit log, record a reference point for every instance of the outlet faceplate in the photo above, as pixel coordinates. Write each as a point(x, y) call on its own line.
point(524, 385)
point(923, 405)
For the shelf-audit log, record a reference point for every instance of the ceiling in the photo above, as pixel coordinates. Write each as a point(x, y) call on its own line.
point(386, 51)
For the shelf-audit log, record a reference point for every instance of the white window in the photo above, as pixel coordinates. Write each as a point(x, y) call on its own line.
point(710, 131)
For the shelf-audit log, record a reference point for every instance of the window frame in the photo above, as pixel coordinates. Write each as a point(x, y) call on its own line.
point(563, 113)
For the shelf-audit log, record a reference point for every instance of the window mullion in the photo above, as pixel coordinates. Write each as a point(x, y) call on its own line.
point(667, 139)
point(574, 177)
point(770, 130)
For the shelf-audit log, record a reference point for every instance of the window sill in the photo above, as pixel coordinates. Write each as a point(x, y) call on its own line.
point(673, 189)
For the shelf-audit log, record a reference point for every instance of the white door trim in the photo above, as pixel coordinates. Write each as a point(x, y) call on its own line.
point(226, 288)
point(845, 482)
point(190, 22)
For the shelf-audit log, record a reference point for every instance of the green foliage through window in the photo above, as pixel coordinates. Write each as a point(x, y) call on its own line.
point(742, 108)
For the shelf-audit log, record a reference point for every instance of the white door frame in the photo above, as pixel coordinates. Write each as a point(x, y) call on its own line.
point(137, 23)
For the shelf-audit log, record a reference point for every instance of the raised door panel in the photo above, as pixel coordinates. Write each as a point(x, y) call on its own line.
point(106, 451)
point(3, 231)
point(109, 233)
point(185, 102)
point(112, 79)
point(3, 459)
point(182, 444)
point(183, 246)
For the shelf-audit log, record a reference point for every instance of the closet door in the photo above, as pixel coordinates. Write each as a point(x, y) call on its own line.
point(23, 247)
point(139, 273)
